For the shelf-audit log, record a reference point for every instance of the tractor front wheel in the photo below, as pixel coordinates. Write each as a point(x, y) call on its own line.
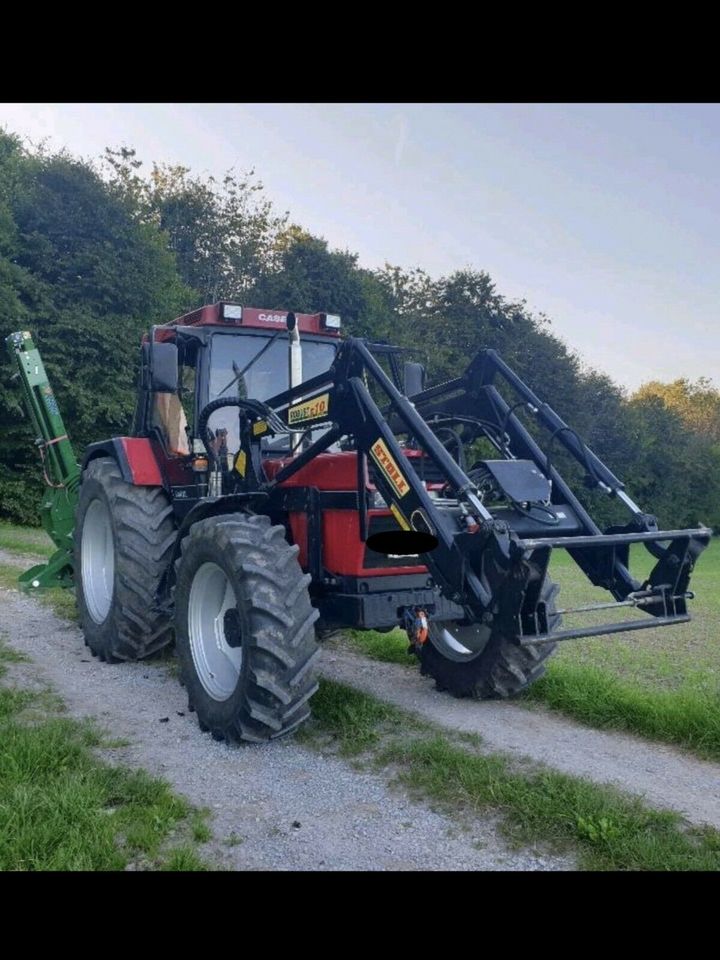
point(244, 629)
point(471, 660)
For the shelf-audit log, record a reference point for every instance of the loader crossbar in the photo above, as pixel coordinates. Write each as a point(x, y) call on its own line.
point(623, 626)
point(482, 561)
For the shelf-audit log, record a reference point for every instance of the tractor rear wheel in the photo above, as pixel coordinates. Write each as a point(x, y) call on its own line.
point(244, 628)
point(123, 541)
point(470, 660)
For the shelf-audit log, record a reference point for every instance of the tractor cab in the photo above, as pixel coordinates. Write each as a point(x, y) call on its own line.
point(223, 351)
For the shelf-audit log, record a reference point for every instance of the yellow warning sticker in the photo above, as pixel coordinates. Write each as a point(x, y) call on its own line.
point(382, 457)
point(399, 517)
point(241, 463)
point(259, 427)
point(310, 410)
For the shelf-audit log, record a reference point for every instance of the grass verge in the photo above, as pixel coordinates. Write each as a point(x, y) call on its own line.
point(596, 697)
point(62, 808)
point(605, 828)
point(25, 540)
point(389, 647)
point(351, 720)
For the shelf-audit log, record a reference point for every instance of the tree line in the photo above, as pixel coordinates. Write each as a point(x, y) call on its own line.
point(94, 252)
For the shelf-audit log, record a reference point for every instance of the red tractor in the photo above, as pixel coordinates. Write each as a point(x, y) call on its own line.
point(280, 483)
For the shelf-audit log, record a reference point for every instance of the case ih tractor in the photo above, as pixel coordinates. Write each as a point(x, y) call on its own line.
point(280, 483)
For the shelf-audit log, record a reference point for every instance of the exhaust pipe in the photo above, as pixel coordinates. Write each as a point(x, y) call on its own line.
point(295, 374)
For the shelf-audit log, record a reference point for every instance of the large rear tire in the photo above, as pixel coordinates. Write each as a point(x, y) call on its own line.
point(123, 541)
point(467, 664)
point(244, 628)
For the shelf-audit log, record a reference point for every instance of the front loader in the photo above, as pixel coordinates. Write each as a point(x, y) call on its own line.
point(275, 486)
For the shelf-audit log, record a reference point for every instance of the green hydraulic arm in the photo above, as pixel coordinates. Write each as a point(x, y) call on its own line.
point(60, 468)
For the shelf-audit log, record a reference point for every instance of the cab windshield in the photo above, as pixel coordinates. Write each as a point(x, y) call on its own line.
point(267, 377)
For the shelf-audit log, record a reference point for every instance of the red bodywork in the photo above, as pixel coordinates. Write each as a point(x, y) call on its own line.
point(141, 461)
point(343, 550)
point(257, 317)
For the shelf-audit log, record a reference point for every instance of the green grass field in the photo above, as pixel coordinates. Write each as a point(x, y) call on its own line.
point(683, 658)
point(663, 684)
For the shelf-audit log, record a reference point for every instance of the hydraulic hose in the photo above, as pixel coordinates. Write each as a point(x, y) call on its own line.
point(252, 406)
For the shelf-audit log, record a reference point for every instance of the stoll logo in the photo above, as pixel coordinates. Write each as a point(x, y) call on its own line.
point(273, 317)
point(383, 458)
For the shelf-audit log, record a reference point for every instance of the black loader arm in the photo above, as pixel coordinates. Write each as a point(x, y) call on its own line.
point(485, 558)
point(346, 401)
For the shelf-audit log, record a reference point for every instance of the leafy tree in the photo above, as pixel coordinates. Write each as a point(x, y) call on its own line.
point(453, 317)
point(17, 288)
point(223, 233)
point(86, 278)
point(675, 472)
point(310, 278)
point(696, 403)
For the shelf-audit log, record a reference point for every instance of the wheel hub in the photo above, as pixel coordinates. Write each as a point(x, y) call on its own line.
point(458, 641)
point(214, 631)
point(231, 626)
point(97, 551)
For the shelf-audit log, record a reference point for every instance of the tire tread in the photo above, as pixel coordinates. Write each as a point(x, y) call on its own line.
point(280, 653)
point(144, 537)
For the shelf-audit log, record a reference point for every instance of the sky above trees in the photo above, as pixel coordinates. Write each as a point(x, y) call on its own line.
point(603, 216)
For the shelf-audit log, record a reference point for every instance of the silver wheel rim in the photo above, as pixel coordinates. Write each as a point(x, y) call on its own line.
point(458, 641)
point(216, 663)
point(97, 550)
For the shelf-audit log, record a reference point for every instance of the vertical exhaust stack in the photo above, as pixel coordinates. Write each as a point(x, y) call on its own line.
point(295, 374)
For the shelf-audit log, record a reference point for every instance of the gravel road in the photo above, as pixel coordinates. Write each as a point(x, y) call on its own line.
point(293, 808)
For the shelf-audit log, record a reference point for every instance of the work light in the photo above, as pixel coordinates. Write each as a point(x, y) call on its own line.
point(231, 311)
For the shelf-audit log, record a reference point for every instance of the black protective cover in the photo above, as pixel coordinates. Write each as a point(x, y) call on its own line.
point(520, 480)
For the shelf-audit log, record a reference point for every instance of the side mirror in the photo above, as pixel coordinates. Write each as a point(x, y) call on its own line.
point(163, 367)
point(414, 378)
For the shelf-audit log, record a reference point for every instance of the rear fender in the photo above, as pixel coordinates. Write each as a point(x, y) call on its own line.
point(134, 456)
